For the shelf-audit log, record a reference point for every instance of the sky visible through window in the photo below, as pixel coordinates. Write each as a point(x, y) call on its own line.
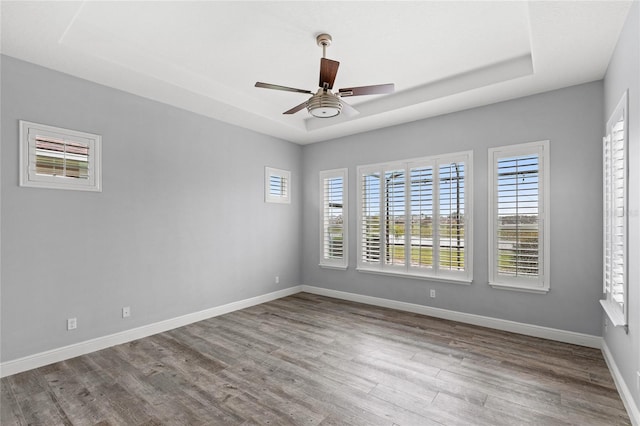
point(333, 192)
point(278, 186)
point(518, 186)
point(420, 186)
point(517, 189)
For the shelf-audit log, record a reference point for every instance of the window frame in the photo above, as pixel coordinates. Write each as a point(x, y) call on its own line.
point(618, 315)
point(284, 175)
point(541, 284)
point(406, 270)
point(334, 263)
point(30, 179)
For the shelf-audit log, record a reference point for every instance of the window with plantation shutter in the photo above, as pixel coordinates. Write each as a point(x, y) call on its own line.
point(333, 219)
point(414, 218)
point(277, 185)
point(57, 158)
point(519, 217)
point(615, 172)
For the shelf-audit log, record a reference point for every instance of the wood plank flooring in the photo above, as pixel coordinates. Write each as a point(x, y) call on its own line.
point(312, 360)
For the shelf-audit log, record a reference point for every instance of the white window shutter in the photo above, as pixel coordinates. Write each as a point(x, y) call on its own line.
point(422, 217)
point(607, 219)
point(370, 215)
point(519, 251)
point(277, 185)
point(333, 218)
point(414, 217)
point(451, 226)
point(519, 217)
point(394, 210)
point(615, 172)
point(56, 158)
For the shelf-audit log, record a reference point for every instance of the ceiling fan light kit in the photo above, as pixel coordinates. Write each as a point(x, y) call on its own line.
point(324, 103)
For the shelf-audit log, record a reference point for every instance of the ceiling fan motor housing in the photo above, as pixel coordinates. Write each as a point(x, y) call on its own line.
point(324, 104)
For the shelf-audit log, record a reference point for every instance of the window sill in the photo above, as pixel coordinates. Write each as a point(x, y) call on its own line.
point(338, 267)
point(614, 314)
point(512, 287)
point(452, 280)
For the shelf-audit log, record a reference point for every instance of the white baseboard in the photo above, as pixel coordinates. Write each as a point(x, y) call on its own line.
point(623, 389)
point(499, 324)
point(60, 354)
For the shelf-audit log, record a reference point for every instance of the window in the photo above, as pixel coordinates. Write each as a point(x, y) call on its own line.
point(414, 218)
point(277, 185)
point(519, 217)
point(615, 172)
point(52, 157)
point(333, 219)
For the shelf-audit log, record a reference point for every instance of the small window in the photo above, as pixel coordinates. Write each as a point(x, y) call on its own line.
point(519, 217)
point(51, 157)
point(615, 187)
point(333, 219)
point(277, 185)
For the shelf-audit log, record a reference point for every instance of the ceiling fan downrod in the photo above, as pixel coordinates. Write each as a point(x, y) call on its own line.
point(324, 40)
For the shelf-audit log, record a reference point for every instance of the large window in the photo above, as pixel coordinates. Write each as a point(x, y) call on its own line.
point(615, 173)
point(333, 219)
point(414, 217)
point(519, 217)
point(52, 157)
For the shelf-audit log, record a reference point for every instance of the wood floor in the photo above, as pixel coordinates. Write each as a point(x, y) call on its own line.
point(312, 360)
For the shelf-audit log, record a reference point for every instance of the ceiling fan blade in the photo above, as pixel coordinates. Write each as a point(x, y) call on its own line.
point(296, 108)
point(367, 90)
point(328, 72)
point(348, 110)
point(285, 88)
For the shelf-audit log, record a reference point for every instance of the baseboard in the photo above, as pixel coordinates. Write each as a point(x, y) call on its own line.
point(60, 354)
point(623, 389)
point(498, 324)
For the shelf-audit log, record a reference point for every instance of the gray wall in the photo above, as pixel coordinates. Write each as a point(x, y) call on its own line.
point(624, 74)
point(572, 120)
point(180, 226)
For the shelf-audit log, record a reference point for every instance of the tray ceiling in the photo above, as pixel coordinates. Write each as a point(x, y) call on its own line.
point(206, 56)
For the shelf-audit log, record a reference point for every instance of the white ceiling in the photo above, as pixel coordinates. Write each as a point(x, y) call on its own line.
point(205, 56)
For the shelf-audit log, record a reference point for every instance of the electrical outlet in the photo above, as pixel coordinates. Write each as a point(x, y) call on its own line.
point(432, 293)
point(126, 312)
point(606, 325)
point(72, 323)
point(277, 279)
point(638, 380)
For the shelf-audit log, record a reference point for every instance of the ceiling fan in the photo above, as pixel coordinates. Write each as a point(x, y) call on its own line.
point(325, 103)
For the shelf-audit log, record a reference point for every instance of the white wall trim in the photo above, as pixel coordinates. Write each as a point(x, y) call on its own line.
point(498, 324)
point(623, 389)
point(60, 354)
